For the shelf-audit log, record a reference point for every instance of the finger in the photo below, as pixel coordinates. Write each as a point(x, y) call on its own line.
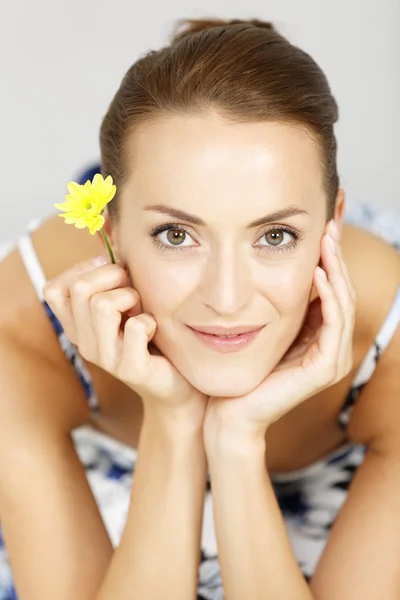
point(61, 283)
point(56, 293)
point(135, 360)
point(107, 310)
point(82, 289)
point(332, 326)
point(333, 267)
point(337, 270)
point(346, 349)
point(334, 235)
point(346, 275)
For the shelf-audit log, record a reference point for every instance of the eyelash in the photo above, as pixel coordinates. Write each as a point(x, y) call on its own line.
point(174, 226)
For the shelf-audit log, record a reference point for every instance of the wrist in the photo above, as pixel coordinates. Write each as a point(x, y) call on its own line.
point(173, 421)
point(235, 442)
point(174, 443)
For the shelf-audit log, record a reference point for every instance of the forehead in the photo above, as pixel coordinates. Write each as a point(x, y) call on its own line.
point(201, 160)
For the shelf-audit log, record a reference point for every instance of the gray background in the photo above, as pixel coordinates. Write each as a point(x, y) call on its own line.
point(62, 61)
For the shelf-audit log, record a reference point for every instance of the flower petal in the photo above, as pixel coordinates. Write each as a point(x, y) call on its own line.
point(70, 220)
point(96, 224)
point(85, 203)
point(81, 223)
point(61, 207)
point(97, 184)
point(108, 182)
point(74, 189)
point(69, 205)
point(111, 193)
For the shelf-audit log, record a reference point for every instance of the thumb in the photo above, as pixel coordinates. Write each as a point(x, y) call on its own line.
point(150, 324)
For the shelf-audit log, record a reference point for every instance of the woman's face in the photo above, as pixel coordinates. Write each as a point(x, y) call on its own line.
point(220, 228)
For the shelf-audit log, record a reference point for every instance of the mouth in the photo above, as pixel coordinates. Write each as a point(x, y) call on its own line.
point(227, 340)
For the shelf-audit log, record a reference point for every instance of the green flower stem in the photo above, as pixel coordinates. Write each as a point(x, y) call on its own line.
point(107, 243)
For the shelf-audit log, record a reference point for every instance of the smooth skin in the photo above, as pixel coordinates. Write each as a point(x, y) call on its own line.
point(59, 547)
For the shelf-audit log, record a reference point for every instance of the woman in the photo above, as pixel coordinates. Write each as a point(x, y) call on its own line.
point(244, 332)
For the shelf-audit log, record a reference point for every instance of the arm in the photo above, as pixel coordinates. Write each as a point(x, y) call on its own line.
point(361, 558)
point(160, 549)
point(54, 534)
point(56, 539)
point(254, 551)
point(159, 552)
point(363, 549)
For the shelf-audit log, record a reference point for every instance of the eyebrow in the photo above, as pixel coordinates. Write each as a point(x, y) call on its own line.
point(278, 215)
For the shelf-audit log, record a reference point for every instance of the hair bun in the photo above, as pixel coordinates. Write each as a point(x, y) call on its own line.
point(194, 25)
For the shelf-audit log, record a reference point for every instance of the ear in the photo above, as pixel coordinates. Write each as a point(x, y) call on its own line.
point(340, 204)
point(110, 231)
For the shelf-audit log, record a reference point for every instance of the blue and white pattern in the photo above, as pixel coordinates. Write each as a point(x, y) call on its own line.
point(310, 498)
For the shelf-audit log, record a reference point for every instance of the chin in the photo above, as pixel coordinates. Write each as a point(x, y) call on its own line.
point(225, 375)
point(225, 384)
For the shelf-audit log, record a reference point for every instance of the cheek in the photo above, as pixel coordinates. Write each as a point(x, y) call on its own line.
point(288, 287)
point(162, 287)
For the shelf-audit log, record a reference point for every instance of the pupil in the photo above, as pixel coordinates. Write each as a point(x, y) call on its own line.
point(175, 236)
point(274, 237)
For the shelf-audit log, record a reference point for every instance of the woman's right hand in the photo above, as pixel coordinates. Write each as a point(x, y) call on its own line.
point(101, 314)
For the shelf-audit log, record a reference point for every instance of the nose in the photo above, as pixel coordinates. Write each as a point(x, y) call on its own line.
point(226, 286)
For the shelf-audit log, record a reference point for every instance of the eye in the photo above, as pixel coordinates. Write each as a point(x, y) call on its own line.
point(171, 236)
point(276, 237)
point(279, 239)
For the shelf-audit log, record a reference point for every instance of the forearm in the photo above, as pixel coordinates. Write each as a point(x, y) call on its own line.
point(254, 551)
point(159, 553)
point(54, 534)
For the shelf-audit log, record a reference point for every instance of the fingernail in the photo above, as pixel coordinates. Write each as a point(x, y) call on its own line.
point(321, 273)
point(99, 261)
point(334, 230)
point(331, 243)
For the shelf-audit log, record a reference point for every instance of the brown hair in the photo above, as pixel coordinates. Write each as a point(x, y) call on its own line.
point(245, 70)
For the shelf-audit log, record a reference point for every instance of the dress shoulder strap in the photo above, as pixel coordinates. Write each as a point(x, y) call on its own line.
point(32, 263)
point(370, 362)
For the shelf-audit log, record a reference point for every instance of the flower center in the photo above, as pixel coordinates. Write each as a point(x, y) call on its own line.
point(90, 206)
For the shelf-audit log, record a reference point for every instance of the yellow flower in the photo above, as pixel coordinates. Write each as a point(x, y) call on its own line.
point(85, 203)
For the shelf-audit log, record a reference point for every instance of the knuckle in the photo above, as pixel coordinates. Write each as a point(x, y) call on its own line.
point(81, 286)
point(101, 303)
point(128, 295)
point(51, 292)
point(133, 294)
point(134, 325)
point(86, 351)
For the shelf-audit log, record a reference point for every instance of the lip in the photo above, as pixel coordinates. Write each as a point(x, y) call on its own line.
point(225, 345)
point(237, 329)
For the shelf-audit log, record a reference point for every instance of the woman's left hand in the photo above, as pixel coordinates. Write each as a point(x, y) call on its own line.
point(320, 356)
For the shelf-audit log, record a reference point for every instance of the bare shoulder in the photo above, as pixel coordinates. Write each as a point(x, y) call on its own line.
point(36, 380)
point(37, 395)
point(374, 268)
point(57, 247)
